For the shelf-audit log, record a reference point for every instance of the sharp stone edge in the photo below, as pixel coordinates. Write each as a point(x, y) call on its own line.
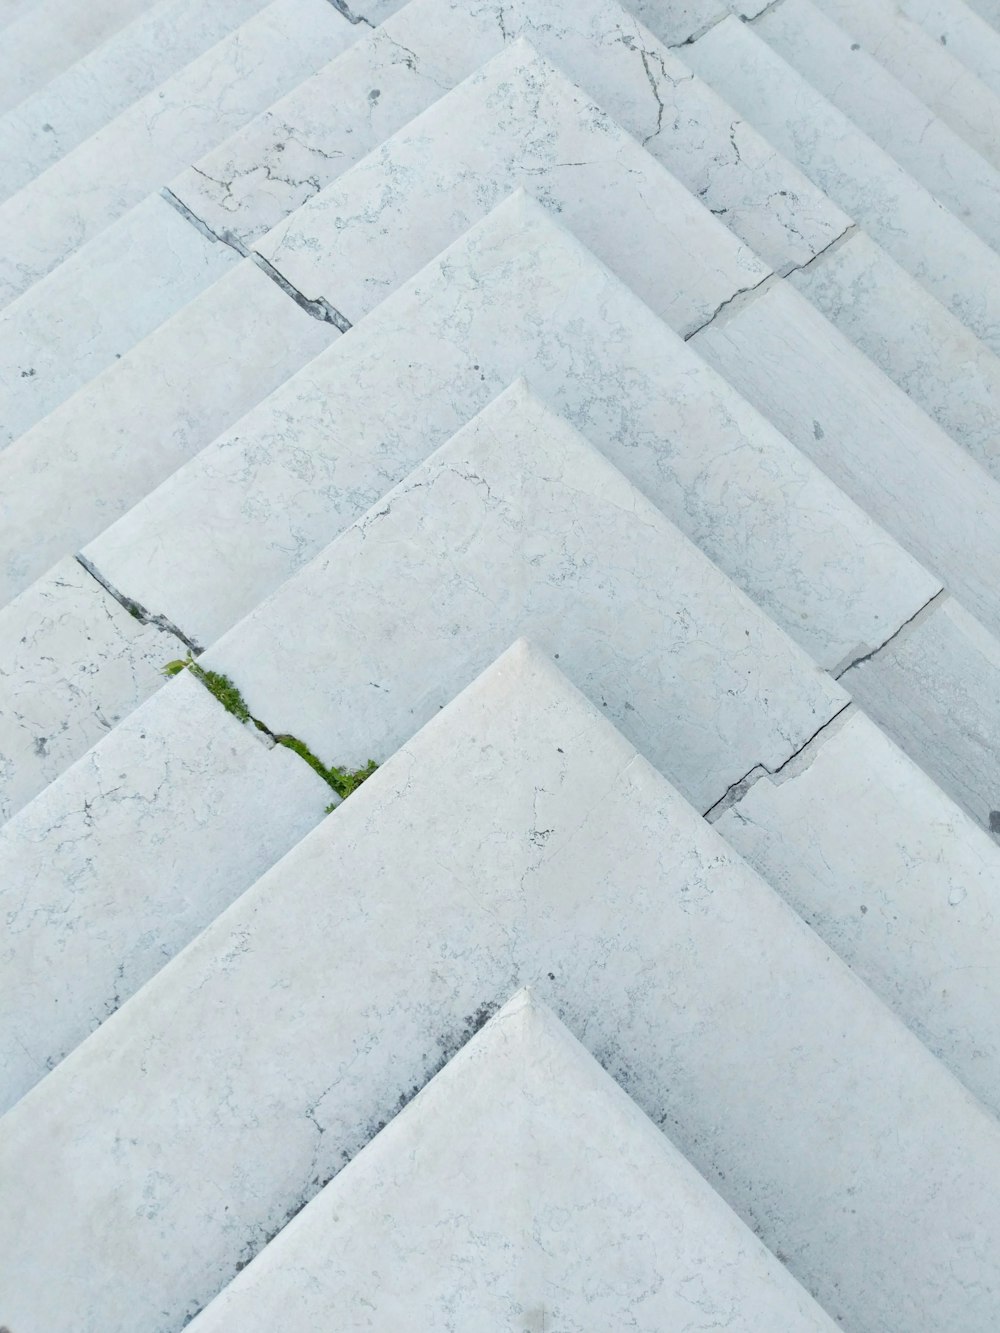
point(138, 611)
point(802, 757)
point(319, 308)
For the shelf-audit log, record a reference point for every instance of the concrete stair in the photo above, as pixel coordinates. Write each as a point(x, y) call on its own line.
point(345, 345)
point(264, 1057)
point(617, 1234)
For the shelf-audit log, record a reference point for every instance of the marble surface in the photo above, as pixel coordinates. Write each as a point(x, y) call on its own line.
point(519, 526)
point(926, 67)
point(125, 857)
point(89, 311)
point(520, 1189)
point(195, 1122)
point(896, 119)
point(113, 170)
point(61, 114)
point(114, 440)
point(41, 40)
point(921, 346)
point(867, 435)
point(898, 881)
point(517, 295)
point(516, 121)
point(73, 663)
point(934, 246)
point(936, 689)
point(290, 152)
point(967, 36)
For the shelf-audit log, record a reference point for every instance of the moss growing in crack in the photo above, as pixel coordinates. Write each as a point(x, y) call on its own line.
point(340, 780)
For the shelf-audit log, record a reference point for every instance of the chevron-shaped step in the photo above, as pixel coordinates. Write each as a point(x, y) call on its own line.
point(113, 170)
point(925, 66)
point(585, 1214)
point(518, 839)
point(516, 295)
point(893, 117)
point(130, 63)
point(938, 249)
point(503, 531)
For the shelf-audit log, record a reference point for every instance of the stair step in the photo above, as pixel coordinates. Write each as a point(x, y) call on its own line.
point(113, 170)
point(74, 323)
point(74, 664)
point(868, 437)
point(934, 246)
point(517, 119)
point(131, 62)
point(266, 1055)
point(892, 116)
point(585, 1214)
point(126, 856)
point(967, 36)
point(43, 38)
point(260, 175)
point(894, 877)
point(927, 68)
point(989, 10)
point(247, 185)
point(920, 345)
point(501, 530)
point(516, 295)
point(108, 445)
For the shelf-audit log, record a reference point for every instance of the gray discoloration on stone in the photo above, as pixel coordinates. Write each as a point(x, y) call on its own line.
point(568, 1182)
point(337, 1033)
point(516, 296)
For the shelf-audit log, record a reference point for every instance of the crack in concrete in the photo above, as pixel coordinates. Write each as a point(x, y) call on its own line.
point(136, 609)
point(341, 7)
point(928, 609)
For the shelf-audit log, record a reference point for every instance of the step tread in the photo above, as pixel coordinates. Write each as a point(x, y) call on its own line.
point(283, 1047)
point(75, 104)
point(671, 649)
point(585, 1214)
point(128, 828)
point(114, 440)
point(238, 520)
point(897, 880)
point(116, 168)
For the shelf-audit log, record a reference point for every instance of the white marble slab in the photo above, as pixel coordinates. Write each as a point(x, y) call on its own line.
point(504, 529)
point(73, 662)
point(934, 246)
point(521, 1188)
point(90, 310)
point(893, 117)
point(507, 529)
point(108, 445)
point(76, 103)
point(120, 861)
point(897, 880)
point(11, 10)
point(116, 168)
point(987, 9)
point(517, 295)
point(516, 121)
point(251, 182)
point(935, 359)
point(483, 857)
point(967, 36)
point(938, 684)
point(41, 40)
point(927, 68)
point(867, 435)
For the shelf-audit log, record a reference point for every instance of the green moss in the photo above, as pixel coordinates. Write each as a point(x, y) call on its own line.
point(341, 780)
